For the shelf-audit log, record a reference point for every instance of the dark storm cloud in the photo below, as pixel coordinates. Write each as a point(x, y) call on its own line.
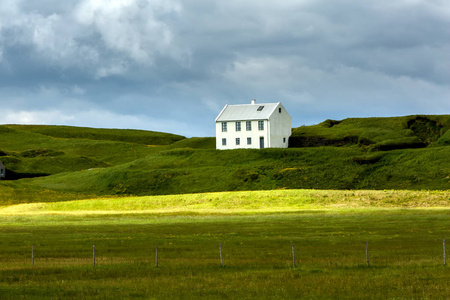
point(171, 65)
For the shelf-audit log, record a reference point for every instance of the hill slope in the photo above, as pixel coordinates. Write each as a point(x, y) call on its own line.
point(83, 167)
point(35, 150)
point(376, 133)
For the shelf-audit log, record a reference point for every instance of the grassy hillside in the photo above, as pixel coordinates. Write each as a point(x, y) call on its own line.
point(193, 171)
point(118, 135)
point(376, 133)
point(367, 158)
point(29, 151)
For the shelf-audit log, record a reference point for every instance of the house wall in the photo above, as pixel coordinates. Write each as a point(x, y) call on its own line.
point(280, 128)
point(231, 134)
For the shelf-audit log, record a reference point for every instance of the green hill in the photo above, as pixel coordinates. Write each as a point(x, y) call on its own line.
point(409, 152)
point(35, 150)
point(118, 135)
point(376, 133)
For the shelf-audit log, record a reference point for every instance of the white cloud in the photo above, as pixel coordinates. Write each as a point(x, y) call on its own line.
point(144, 63)
point(35, 117)
point(99, 36)
point(133, 27)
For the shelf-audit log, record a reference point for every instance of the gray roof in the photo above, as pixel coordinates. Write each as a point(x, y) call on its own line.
point(247, 112)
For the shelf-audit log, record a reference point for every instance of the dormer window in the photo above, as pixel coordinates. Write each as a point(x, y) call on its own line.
point(260, 108)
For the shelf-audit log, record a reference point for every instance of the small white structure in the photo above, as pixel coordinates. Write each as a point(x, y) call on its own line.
point(253, 126)
point(2, 170)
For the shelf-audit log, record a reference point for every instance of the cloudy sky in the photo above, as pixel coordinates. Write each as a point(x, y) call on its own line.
point(171, 65)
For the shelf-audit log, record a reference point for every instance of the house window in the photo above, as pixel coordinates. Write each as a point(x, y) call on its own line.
point(260, 108)
point(224, 142)
point(238, 126)
point(238, 141)
point(284, 140)
point(260, 125)
point(248, 125)
point(1, 172)
point(224, 126)
point(249, 141)
point(279, 110)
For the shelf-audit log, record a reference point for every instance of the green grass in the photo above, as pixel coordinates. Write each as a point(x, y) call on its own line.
point(181, 171)
point(375, 133)
point(249, 202)
point(118, 135)
point(329, 230)
point(55, 149)
point(91, 162)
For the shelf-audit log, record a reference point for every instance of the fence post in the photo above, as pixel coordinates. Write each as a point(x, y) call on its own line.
point(445, 257)
point(93, 255)
point(156, 258)
point(367, 253)
point(32, 255)
point(293, 254)
point(221, 256)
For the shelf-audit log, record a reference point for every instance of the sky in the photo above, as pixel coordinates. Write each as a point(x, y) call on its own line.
point(172, 65)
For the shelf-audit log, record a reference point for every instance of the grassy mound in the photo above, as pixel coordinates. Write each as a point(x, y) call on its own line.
point(195, 143)
point(182, 171)
point(118, 135)
point(253, 202)
point(28, 150)
point(374, 133)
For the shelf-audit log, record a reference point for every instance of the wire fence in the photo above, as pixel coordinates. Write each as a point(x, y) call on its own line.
point(222, 256)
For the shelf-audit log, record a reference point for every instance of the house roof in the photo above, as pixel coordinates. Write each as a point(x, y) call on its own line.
point(258, 111)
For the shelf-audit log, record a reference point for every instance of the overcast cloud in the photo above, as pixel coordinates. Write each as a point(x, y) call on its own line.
point(169, 65)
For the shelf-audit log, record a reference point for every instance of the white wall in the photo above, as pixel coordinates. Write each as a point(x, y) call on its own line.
point(280, 128)
point(232, 134)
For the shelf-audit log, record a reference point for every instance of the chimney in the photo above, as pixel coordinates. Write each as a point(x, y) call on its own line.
point(253, 101)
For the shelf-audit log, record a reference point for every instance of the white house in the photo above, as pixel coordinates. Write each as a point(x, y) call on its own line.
point(264, 125)
point(2, 170)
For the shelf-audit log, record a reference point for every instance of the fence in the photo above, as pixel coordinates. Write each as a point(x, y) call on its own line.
point(221, 260)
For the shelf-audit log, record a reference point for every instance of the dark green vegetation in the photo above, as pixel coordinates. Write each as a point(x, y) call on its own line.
point(376, 133)
point(369, 153)
point(406, 258)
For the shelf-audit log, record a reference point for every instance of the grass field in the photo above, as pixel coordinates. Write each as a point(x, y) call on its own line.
point(404, 230)
point(384, 181)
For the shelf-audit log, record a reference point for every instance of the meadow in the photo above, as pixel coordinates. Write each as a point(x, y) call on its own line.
point(404, 230)
point(340, 185)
